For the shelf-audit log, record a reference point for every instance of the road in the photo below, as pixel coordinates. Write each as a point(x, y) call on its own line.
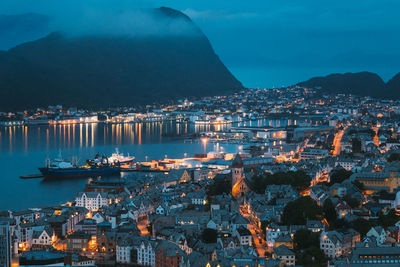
point(142, 226)
point(376, 138)
point(256, 234)
point(336, 142)
point(260, 246)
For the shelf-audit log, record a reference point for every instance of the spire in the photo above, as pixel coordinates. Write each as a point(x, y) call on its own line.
point(237, 162)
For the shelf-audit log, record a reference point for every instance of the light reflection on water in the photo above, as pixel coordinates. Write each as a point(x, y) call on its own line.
point(65, 136)
point(24, 148)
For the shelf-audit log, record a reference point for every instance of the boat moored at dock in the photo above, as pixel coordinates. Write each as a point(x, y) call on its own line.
point(59, 169)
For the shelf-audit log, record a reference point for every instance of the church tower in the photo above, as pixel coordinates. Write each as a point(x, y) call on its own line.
point(237, 169)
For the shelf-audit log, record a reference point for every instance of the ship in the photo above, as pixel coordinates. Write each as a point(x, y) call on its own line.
point(59, 169)
point(120, 158)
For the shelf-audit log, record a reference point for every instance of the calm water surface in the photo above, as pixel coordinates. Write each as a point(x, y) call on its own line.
point(23, 149)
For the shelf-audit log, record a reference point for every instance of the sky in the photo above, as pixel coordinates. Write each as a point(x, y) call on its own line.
point(270, 43)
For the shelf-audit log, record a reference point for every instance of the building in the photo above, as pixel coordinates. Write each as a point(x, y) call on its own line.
point(146, 253)
point(43, 239)
point(374, 256)
point(285, 255)
point(379, 233)
point(198, 197)
point(124, 252)
point(244, 236)
point(386, 180)
point(88, 226)
point(284, 239)
point(239, 184)
point(5, 244)
point(313, 153)
point(78, 242)
point(168, 254)
point(92, 200)
point(335, 244)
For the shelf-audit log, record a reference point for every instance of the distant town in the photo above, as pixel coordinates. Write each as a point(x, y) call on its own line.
point(318, 185)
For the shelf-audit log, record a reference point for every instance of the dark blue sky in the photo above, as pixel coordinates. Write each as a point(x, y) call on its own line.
point(272, 43)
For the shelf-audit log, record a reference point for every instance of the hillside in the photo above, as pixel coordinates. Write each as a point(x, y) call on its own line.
point(393, 86)
point(113, 70)
point(362, 83)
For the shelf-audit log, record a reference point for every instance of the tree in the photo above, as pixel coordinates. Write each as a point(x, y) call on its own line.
point(298, 179)
point(354, 203)
point(220, 186)
point(301, 209)
point(209, 235)
point(361, 225)
point(311, 257)
point(258, 184)
point(389, 219)
point(306, 245)
point(356, 145)
point(359, 185)
point(304, 238)
point(394, 157)
point(338, 176)
point(341, 224)
point(329, 212)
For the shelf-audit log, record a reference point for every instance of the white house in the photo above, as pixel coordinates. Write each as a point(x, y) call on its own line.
point(244, 236)
point(146, 253)
point(43, 239)
point(273, 231)
point(198, 197)
point(98, 217)
point(124, 252)
point(379, 233)
point(285, 255)
point(92, 200)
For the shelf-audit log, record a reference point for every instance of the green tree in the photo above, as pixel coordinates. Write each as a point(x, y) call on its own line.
point(220, 186)
point(359, 185)
point(356, 145)
point(361, 225)
point(258, 184)
point(311, 257)
point(298, 179)
point(306, 246)
point(304, 238)
point(338, 176)
point(354, 203)
point(389, 219)
point(341, 224)
point(209, 235)
point(301, 209)
point(394, 157)
point(329, 212)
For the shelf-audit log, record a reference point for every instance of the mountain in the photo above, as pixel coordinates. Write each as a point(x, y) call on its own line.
point(17, 29)
point(361, 83)
point(114, 70)
point(393, 86)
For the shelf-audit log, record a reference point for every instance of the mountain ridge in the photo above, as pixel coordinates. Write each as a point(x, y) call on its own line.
point(359, 83)
point(113, 70)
